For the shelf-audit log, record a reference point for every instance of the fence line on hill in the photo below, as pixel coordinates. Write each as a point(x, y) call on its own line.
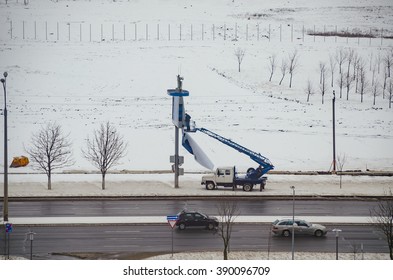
point(88, 32)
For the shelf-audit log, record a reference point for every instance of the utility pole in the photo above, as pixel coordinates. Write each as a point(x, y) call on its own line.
point(334, 131)
point(178, 119)
point(5, 203)
point(293, 222)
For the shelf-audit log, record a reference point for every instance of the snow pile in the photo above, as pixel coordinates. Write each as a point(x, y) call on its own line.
point(248, 255)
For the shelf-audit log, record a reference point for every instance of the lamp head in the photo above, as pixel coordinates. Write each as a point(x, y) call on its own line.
point(5, 74)
point(3, 81)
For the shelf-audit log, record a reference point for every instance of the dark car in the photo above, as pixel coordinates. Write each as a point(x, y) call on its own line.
point(195, 219)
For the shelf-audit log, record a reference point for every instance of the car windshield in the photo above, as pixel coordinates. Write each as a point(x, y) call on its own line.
point(203, 215)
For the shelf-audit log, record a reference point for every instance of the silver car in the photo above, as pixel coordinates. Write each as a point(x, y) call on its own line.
point(284, 227)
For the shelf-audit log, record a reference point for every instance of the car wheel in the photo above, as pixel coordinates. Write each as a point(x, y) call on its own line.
point(286, 233)
point(247, 187)
point(182, 226)
point(210, 186)
point(210, 226)
point(318, 233)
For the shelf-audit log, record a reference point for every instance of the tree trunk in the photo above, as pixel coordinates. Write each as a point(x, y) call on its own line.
point(347, 92)
point(225, 252)
point(282, 78)
point(103, 181)
point(49, 180)
point(290, 81)
point(340, 181)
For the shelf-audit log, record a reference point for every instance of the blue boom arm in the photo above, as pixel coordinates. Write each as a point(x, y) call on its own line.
point(264, 163)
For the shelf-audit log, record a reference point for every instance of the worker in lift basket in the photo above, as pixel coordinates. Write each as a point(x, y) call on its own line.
point(188, 120)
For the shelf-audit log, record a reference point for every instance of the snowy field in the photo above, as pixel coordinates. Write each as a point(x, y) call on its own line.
point(60, 71)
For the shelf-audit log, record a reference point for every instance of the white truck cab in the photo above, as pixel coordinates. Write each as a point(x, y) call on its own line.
point(227, 177)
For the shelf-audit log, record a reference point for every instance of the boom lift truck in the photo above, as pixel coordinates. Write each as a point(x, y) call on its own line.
point(227, 176)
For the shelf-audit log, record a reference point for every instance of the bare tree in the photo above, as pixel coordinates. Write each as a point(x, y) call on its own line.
point(292, 66)
point(388, 59)
point(239, 53)
point(385, 78)
point(228, 211)
point(322, 70)
point(348, 83)
point(332, 67)
point(284, 69)
point(341, 56)
point(363, 84)
point(375, 90)
point(105, 149)
point(341, 159)
point(340, 82)
point(50, 150)
point(382, 218)
point(356, 64)
point(309, 89)
point(355, 249)
point(272, 66)
point(356, 72)
point(323, 84)
point(350, 58)
point(374, 70)
point(390, 82)
point(379, 60)
point(371, 60)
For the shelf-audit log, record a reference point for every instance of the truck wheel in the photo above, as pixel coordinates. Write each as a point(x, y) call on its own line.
point(247, 187)
point(210, 186)
point(251, 169)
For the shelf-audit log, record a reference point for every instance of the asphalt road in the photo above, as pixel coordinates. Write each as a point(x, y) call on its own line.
point(53, 208)
point(141, 239)
point(122, 241)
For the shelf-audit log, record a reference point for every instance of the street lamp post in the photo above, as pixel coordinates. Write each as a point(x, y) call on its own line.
point(5, 203)
point(31, 238)
point(337, 231)
point(293, 222)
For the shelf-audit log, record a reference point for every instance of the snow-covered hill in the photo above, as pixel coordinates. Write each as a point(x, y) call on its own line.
point(77, 63)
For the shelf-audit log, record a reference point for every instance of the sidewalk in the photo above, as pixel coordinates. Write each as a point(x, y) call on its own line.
point(161, 185)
